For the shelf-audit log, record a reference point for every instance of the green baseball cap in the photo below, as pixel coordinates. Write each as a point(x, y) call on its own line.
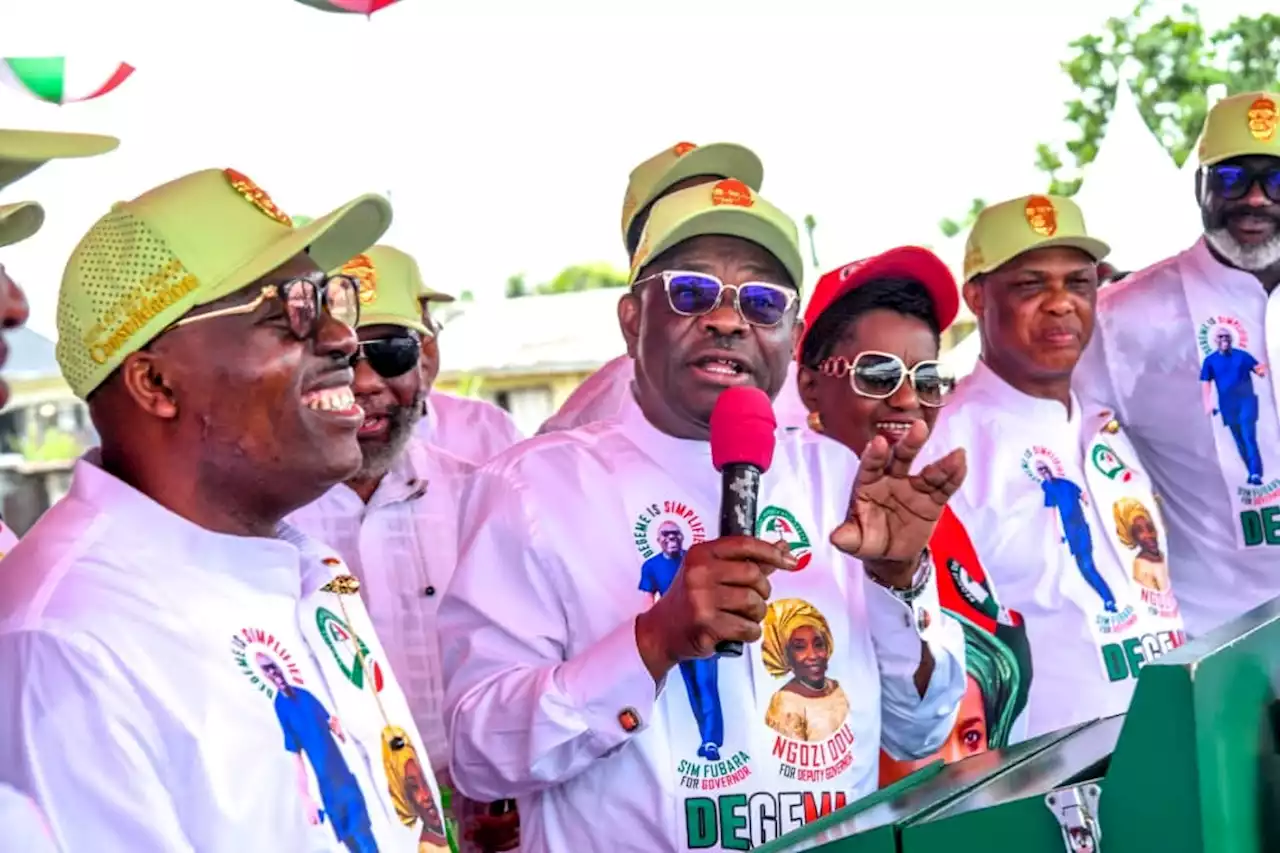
point(727, 207)
point(1005, 230)
point(19, 221)
point(685, 160)
point(24, 151)
point(1239, 126)
point(183, 244)
point(390, 287)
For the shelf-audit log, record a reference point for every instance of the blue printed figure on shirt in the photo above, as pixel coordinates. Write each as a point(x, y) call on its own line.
point(1067, 498)
point(1231, 372)
point(701, 677)
point(309, 729)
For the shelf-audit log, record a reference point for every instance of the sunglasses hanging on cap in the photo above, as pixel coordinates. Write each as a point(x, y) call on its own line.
point(390, 357)
point(692, 294)
point(1233, 181)
point(879, 375)
point(303, 299)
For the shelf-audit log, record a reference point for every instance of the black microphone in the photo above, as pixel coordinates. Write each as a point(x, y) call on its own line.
point(743, 435)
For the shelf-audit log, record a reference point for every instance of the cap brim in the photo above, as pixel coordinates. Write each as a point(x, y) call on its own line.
point(19, 221)
point(429, 295)
point(376, 319)
point(24, 151)
point(1261, 149)
point(735, 222)
point(1091, 246)
point(331, 241)
point(720, 159)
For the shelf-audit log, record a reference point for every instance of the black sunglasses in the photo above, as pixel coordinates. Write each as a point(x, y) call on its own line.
point(1233, 181)
point(390, 357)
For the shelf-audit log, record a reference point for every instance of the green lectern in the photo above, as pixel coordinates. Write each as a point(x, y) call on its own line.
point(1193, 767)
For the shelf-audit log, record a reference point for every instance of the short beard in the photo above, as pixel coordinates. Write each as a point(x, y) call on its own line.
point(1248, 258)
point(378, 458)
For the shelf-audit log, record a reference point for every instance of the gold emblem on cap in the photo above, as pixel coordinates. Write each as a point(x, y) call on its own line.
point(732, 192)
point(849, 269)
point(361, 269)
point(682, 148)
point(256, 196)
point(1262, 119)
point(1041, 215)
point(1112, 426)
point(972, 257)
point(342, 585)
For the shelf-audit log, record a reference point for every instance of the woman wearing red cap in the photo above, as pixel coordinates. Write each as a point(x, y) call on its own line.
point(869, 366)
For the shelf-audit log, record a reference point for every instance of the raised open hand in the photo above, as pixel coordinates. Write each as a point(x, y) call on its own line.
point(892, 512)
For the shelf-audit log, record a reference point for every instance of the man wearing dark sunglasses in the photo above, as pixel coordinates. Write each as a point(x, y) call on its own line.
point(679, 167)
point(589, 574)
point(21, 153)
point(1057, 508)
point(394, 520)
point(1184, 350)
point(214, 353)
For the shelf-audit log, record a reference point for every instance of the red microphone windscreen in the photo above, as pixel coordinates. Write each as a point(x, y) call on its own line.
point(743, 428)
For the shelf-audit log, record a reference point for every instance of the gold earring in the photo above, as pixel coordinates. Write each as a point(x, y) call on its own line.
point(815, 421)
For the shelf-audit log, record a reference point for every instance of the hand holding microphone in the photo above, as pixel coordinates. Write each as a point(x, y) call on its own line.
point(719, 596)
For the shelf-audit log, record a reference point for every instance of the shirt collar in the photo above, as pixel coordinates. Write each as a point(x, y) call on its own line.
point(271, 565)
point(671, 453)
point(985, 382)
point(1217, 275)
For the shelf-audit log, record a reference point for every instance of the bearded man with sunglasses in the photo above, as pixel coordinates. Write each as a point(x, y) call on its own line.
point(1184, 351)
point(562, 629)
point(1060, 514)
point(151, 614)
point(395, 520)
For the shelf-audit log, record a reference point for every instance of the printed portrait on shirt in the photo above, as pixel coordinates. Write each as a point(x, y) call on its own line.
point(1067, 505)
point(1227, 371)
point(663, 533)
point(329, 792)
point(997, 656)
point(411, 793)
point(1138, 532)
point(797, 642)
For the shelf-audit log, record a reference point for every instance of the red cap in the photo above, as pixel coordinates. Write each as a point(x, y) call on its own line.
point(743, 428)
point(911, 262)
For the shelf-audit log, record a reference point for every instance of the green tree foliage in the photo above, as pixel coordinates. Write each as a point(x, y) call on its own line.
point(952, 227)
point(1170, 62)
point(810, 226)
point(571, 279)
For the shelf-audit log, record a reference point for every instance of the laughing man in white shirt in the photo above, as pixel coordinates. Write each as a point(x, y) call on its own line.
point(561, 639)
point(395, 522)
point(1061, 515)
point(1187, 350)
point(21, 153)
point(604, 393)
point(180, 671)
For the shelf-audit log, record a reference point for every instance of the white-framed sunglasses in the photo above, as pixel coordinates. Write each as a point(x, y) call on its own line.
point(879, 375)
point(692, 294)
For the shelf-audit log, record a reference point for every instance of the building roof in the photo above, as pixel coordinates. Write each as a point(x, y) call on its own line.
point(31, 356)
point(556, 333)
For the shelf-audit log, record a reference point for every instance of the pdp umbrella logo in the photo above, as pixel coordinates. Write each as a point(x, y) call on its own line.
point(343, 642)
point(778, 525)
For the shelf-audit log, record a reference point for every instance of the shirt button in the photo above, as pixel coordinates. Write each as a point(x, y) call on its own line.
point(429, 591)
point(629, 719)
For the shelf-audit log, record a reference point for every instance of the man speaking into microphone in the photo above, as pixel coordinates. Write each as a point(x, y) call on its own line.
point(560, 629)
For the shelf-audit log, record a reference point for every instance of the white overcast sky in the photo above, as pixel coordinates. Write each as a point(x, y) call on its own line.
point(505, 134)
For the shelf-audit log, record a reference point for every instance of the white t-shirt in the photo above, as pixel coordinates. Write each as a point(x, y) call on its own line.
point(403, 545)
point(1064, 522)
point(472, 430)
point(1156, 351)
point(605, 392)
point(167, 688)
point(548, 701)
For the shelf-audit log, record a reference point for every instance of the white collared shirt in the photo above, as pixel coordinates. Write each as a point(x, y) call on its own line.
point(547, 698)
point(472, 430)
point(1148, 353)
point(604, 394)
point(403, 545)
point(25, 828)
point(1096, 607)
point(141, 664)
